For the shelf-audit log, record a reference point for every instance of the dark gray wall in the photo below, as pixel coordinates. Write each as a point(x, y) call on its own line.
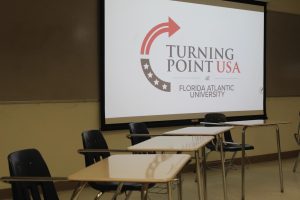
point(283, 54)
point(48, 51)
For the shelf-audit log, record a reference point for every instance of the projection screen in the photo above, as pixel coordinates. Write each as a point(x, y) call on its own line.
point(170, 62)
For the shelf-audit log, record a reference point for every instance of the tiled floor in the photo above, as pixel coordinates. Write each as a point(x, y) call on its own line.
point(262, 183)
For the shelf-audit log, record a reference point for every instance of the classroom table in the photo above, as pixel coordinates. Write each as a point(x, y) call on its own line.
point(178, 144)
point(135, 168)
point(258, 123)
point(206, 131)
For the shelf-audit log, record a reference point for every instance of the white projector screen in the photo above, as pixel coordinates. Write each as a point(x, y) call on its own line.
point(172, 61)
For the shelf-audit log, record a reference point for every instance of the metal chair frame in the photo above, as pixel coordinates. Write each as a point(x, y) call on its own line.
point(96, 140)
point(297, 138)
point(229, 140)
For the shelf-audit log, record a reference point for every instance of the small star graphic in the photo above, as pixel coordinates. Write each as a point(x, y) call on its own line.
point(150, 75)
point(164, 86)
point(156, 82)
point(146, 66)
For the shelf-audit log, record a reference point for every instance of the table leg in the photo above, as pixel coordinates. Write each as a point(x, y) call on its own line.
point(77, 190)
point(179, 186)
point(220, 141)
point(144, 192)
point(243, 161)
point(118, 191)
point(170, 195)
point(198, 174)
point(204, 173)
point(279, 158)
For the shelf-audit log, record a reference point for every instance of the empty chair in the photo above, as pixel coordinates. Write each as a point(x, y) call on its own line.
point(138, 128)
point(141, 128)
point(93, 139)
point(228, 145)
point(29, 163)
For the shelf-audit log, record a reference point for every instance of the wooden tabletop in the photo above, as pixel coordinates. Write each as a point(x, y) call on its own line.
point(137, 168)
point(255, 123)
point(199, 130)
point(258, 122)
point(172, 143)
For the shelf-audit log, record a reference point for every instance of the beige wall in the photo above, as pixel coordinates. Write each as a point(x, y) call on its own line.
point(55, 128)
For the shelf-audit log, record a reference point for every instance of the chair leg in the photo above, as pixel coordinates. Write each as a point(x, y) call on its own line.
point(118, 191)
point(207, 152)
point(128, 194)
point(78, 189)
point(232, 158)
point(296, 162)
point(99, 195)
point(247, 159)
point(230, 162)
point(144, 192)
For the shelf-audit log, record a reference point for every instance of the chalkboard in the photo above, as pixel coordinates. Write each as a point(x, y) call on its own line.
point(283, 54)
point(48, 50)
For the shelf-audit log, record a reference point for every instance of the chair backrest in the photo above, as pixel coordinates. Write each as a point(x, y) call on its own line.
point(93, 139)
point(217, 118)
point(29, 162)
point(138, 128)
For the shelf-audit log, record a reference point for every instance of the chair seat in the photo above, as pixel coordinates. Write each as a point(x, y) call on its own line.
point(231, 147)
point(112, 186)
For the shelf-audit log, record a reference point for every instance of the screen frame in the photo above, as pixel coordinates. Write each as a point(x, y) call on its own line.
point(165, 123)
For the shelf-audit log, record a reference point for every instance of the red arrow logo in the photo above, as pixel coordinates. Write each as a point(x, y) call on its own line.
point(171, 27)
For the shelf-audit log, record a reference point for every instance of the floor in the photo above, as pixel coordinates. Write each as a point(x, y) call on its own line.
point(262, 183)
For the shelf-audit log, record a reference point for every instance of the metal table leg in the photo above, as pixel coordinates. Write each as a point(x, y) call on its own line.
point(199, 181)
point(179, 186)
point(204, 173)
point(279, 158)
point(220, 141)
point(243, 161)
point(170, 195)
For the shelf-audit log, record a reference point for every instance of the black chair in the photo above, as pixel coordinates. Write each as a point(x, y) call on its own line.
point(93, 139)
point(297, 138)
point(138, 128)
point(30, 163)
point(229, 145)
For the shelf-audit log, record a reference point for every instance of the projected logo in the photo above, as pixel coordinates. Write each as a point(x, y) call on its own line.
point(169, 27)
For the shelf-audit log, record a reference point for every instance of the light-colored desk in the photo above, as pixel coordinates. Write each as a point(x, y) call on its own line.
point(135, 168)
point(207, 131)
point(258, 123)
point(177, 143)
